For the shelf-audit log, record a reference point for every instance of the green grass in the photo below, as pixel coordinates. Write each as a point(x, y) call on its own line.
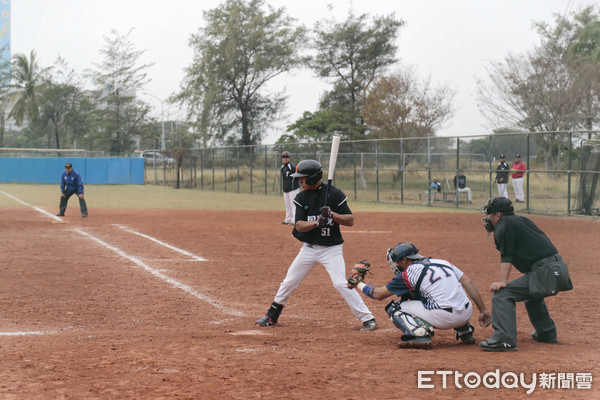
point(161, 197)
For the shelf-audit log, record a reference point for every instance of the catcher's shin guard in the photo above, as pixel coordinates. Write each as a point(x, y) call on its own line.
point(270, 319)
point(410, 325)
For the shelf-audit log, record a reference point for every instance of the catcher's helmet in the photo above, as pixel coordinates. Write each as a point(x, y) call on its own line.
point(499, 204)
point(402, 250)
point(311, 169)
point(285, 154)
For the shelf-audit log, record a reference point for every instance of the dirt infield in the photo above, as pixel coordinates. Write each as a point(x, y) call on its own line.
point(121, 305)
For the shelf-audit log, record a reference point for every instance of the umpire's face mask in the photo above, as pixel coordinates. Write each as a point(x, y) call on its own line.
point(487, 224)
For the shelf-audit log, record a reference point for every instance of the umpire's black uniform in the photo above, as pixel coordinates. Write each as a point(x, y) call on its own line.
point(524, 245)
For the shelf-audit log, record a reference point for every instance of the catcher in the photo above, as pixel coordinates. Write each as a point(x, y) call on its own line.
point(432, 295)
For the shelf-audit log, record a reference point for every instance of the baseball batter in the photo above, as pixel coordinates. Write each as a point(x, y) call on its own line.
point(318, 227)
point(432, 295)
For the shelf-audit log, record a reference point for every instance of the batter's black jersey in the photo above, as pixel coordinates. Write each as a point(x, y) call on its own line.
point(308, 207)
point(521, 242)
point(288, 182)
point(502, 172)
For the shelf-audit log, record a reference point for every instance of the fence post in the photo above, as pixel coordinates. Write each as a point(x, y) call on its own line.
point(527, 170)
point(354, 159)
point(213, 169)
point(402, 171)
point(456, 198)
point(569, 173)
point(377, 168)
point(237, 162)
point(266, 169)
point(225, 167)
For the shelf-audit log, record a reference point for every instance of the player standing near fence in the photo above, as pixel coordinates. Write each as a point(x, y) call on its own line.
point(518, 169)
point(318, 227)
point(290, 186)
point(70, 184)
point(502, 177)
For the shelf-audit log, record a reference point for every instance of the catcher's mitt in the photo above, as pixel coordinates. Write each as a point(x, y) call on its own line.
point(359, 271)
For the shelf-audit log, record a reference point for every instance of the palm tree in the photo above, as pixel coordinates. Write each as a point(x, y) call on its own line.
point(26, 80)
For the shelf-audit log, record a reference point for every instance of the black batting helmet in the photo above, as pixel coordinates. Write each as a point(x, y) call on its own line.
point(311, 169)
point(499, 204)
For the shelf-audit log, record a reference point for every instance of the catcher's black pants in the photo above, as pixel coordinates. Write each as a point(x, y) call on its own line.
point(65, 200)
point(504, 318)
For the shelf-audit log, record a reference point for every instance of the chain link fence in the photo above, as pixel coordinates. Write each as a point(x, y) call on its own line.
point(563, 169)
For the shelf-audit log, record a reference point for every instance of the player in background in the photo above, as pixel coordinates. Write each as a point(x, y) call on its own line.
point(432, 295)
point(70, 184)
point(502, 176)
point(517, 170)
point(290, 186)
point(318, 227)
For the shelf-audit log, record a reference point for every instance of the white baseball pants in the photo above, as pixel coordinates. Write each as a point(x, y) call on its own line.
point(502, 191)
point(332, 258)
point(440, 319)
point(290, 207)
point(518, 186)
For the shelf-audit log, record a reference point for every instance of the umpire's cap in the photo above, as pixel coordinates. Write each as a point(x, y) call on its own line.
point(499, 204)
point(311, 169)
point(285, 154)
point(402, 250)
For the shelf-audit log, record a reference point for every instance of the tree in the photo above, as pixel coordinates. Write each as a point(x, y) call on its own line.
point(540, 91)
point(4, 93)
point(27, 77)
point(239, 51)
point(401, 106)
point(352, 53)
point(118, 78)
point(60, 100)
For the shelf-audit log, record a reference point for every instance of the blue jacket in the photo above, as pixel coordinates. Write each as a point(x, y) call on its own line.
point(71, 182)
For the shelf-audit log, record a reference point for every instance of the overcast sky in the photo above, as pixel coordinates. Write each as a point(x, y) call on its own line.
point(449, 41)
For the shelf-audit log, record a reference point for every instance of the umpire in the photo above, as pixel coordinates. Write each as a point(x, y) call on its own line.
point(70, 184)
point(523, 245)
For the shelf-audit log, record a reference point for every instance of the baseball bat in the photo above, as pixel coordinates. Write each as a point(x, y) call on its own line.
point(335, 145)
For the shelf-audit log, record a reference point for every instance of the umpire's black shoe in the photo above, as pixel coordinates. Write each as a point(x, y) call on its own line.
point(266, 321)
point(488, 345)
point(543, 338)
point(60, 215)
point(84, 216)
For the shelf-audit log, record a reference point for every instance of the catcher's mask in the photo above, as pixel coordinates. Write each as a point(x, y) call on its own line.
point(311, 169)
point(402, 250)
point(497, 204)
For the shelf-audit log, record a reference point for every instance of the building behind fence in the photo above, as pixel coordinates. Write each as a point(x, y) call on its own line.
point(564, 179)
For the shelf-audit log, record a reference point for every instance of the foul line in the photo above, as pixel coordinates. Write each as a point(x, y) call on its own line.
point(173, 282)
point(25, 333)
point(32, 206)
point(168, 246)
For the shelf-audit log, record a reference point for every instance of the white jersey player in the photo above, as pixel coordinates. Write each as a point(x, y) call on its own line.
point(432, 295)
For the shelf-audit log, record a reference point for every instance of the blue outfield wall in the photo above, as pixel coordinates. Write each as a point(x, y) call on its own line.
point(93, 171)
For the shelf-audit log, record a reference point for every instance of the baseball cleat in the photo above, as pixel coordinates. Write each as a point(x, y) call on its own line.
point(266, 321)
point(369, 325)
point(489, 345)
point(418, 342)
